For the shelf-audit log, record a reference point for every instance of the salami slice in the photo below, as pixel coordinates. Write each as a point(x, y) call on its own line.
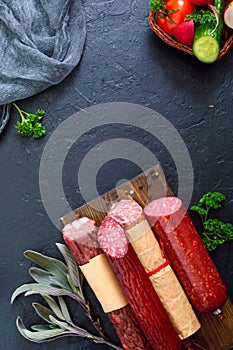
point(129, 214)
point(189, 258)
point(81, 238)
point(115, 245)
point(126, 212)
point(142, 298)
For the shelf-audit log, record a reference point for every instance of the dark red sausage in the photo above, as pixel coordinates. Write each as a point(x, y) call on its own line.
point(129, 214)
point(142, 298)
point(187, 253)
point(80, 236)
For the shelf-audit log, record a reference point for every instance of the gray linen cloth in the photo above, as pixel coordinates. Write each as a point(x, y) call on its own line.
point(41, 42)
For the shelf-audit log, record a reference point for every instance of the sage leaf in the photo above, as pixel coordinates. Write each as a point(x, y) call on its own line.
point(64, 309)
point(39, 275)
point(54, 280)
point(45, 278)
point(39, 336)
point(41, 327)
point(72, 266)
point(43, 290)
point(22, 289)
point(54, 307)
point(56, 267)
point(72, 286)
point(61, 324)
point(43, 312)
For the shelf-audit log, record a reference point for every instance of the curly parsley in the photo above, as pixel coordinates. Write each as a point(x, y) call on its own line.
point(201, 17)
point(30, 124)
point(215, 232)
point(158, 6)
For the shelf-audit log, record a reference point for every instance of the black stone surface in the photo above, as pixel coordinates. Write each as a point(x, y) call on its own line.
point(122, 61)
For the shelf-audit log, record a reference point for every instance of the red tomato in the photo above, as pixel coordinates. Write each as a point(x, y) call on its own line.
point(183, 7)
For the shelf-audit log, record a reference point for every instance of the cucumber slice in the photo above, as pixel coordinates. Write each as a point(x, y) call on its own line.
point(206, 48)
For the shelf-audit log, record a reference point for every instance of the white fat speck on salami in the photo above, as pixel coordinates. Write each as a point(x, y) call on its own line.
point(125, 211)
point(112, 238)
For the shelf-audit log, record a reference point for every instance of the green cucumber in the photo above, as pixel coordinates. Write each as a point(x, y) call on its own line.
point(206, 44)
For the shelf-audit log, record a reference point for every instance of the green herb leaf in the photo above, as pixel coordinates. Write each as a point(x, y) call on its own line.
point(156, 5)
point(39, 275)
point(46, 278)
point(43, 290)
point(54, 266)
point(60, 324)
point(43, 311)
point(54, 307)
point(202, 17)
point(56, 315)
point(213, 225)
point(198, 209)
point(39, 336)
point(38, 327)
point(228, 229)
point(30, 124)
point(24, 288)
point(215, 231)
point(71, 264)
point(213, 199)
point(64, 309)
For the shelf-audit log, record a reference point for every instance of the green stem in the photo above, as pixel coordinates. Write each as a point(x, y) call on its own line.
point(207, 213)
point(207, 236)
point(219, 235)
point(165, 14)
point(20, 111)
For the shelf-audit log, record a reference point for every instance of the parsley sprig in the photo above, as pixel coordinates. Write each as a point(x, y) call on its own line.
point(158, 6)
point(202, 17)
point(215, 232)
point(30, 124)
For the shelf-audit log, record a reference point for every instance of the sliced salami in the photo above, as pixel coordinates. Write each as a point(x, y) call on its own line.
point(126, 211)
point(116, 244)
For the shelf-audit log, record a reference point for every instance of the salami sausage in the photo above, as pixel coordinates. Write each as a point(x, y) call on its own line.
point(188, 255)
point(129, 214)
point(142, 298)
point(80, 236)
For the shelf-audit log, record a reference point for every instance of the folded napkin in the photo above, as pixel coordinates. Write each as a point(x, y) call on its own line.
point(41, 42)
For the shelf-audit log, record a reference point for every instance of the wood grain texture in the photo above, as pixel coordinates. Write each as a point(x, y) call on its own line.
point(215, 334)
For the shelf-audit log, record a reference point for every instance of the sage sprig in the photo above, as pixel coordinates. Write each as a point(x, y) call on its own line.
point(59, 324)
point(55, 278)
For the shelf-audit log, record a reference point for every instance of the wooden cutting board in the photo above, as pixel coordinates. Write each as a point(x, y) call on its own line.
point(215, 334)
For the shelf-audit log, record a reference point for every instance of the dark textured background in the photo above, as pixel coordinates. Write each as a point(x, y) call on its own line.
point(122, 61)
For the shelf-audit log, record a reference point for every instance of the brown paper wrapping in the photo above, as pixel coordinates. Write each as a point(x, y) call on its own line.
point(165, 281)
point(104, 284)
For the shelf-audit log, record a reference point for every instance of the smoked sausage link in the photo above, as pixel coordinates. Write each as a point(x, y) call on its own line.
point(80, 236)
point(129, 214)
point(188, 255)
point(145, 303)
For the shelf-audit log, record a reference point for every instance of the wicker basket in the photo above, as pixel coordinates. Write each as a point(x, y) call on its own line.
point(226, 45)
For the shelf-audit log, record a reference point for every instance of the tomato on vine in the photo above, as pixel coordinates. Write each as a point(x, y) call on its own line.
point(169, 13)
